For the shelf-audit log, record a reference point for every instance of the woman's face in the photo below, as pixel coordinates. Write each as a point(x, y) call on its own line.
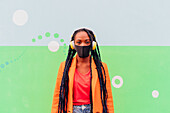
point(82, 39)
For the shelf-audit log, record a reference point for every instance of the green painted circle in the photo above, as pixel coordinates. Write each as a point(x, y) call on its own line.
point(117, 81)
point(33, 40)
point(64, 44)
point(47, 34)
point(56, 35)
point(61, 40)
point(40, 37)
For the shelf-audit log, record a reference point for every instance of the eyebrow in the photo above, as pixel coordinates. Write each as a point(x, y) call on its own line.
point(85, 39)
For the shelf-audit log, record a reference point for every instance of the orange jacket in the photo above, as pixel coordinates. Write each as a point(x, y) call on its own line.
point(97, 104)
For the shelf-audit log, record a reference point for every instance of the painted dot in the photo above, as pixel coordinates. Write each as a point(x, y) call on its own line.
point(64, 44)
point(56, 35)
point(53, 46)
point(47, 34)
point(20, 17)
point(2, 65)
point(11, 61)
point(62, 40)
point(6, 63)
point(155, 94)
point(40, 37)
point(33, 40)
point(114, 81)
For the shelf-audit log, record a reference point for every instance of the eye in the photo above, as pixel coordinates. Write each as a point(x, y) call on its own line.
point(78, 42)
point(87, 42)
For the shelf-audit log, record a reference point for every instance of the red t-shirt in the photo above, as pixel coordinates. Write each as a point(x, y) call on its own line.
point(81, 88)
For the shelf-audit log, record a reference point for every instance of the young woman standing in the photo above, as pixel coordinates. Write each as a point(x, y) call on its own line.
point(83, 82)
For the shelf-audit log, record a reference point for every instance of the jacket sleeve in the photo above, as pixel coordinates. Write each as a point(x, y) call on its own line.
point(55, 102)
point(110, 104)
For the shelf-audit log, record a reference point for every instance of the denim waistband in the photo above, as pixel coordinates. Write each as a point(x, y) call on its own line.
point(82, 108)
point(82, 105)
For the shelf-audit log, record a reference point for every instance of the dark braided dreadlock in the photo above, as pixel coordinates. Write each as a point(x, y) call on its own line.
point(63, 97)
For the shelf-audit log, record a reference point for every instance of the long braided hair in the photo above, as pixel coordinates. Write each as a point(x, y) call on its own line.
point(63, 97)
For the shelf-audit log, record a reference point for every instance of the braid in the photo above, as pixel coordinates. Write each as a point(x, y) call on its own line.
point(91, 86)
point(97, 59)
point(63, 97)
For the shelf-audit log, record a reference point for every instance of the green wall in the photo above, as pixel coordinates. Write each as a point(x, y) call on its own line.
point(28, 75)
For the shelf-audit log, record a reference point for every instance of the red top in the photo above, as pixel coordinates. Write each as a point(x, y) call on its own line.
point(81, 88)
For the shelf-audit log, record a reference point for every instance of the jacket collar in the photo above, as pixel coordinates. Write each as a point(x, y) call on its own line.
point(74, 62)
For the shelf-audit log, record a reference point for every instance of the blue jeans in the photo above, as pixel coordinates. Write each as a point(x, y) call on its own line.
point(82, 108)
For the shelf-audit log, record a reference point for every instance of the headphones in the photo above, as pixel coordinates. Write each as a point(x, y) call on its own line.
point(93, 43)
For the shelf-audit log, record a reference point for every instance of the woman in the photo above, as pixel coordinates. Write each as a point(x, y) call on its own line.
point(83, 83)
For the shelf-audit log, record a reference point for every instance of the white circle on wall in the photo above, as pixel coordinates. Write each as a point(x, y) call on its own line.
point(20, 17)
point(155, 94)
point(117, 85)
point(53, 46)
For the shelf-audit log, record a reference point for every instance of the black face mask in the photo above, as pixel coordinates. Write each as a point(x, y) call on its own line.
point(83, 51)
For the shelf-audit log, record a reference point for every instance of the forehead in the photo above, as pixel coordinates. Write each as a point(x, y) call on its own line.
point(82, 35)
